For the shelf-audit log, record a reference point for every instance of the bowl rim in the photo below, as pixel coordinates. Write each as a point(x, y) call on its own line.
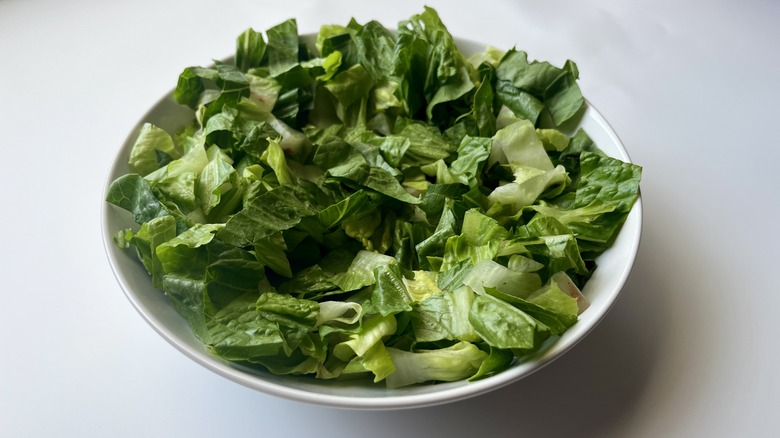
point(462, 392)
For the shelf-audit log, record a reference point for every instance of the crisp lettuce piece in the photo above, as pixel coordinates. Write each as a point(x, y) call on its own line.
point(372, 332)
point(351, 206)
point(274, 157)
point(484, 103)
point(277, 210)
point(218, 186)
point(490, 56)
point(607, 179)
point(358, 171)
point(479, 229)
point(361, 272)
point(255, 327)
point(551, 307)
point(528, 185)
point(552, 139)
point(522, 103)
point(444, 315)
point(556, 88)
point(328, 32)
point(502, 325)
point(332, 312)
point(306, 359)
point(177, 180)
point(432, 247)
point(519, 146)
point(330, 65)
point(311, 282)
point(293, 142)
point(209, 90)
point(282, 48)
point(293, 316)
point(426, 145)
point(271, 251)
point(190, 299)
point(375, 46)
point(250, 49)
point(363, 226)
point(350, 89)
point(490, 274)
point(553, 243)
point(239, 332)
point(151, 235)
point(134, 194)
point(421, 286)
point(153, 148)
point(522, 263)
point(232, 272)
point(517, 143)
point(377, 360)
point(436, 197)
point(447, 73)
point(556, 300)
point(448, 364)
point(471, 154)
point(180, 254)
point(480, 240)
point(498, 360)
point(389, 295)
point(227, 271)
point(607, 190)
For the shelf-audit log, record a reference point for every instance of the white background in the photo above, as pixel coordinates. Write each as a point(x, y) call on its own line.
point(690, 349)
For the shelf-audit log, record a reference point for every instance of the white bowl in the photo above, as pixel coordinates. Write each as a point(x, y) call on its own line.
point(602, 290)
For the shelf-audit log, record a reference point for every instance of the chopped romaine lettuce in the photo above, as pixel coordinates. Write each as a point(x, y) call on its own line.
point(376, 204)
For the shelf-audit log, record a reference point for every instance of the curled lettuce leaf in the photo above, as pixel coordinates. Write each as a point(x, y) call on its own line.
point(447, 364)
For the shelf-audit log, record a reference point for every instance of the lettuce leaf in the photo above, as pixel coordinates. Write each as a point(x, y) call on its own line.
point(447, 364)
point(279, 209)
point(556, 88)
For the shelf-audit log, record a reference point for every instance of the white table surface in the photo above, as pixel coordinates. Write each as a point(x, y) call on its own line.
point(690, 349)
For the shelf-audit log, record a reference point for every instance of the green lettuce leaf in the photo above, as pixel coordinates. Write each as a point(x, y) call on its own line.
point(151, 235)
point(444, 315)
point(277, 210)
point(389, 295)
point(282, 48)
point(252, 327)
point(498, 360)
point(152, 149)
point(358, 171)
point(189, 298)
point(361, 271)
point(502, 325)
point(134, 194)
point(448, 364)
point(556, 88)
point(250, 49)
point(372, 332)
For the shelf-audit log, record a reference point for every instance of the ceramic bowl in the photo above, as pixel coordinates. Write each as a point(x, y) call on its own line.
point(602, 290)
